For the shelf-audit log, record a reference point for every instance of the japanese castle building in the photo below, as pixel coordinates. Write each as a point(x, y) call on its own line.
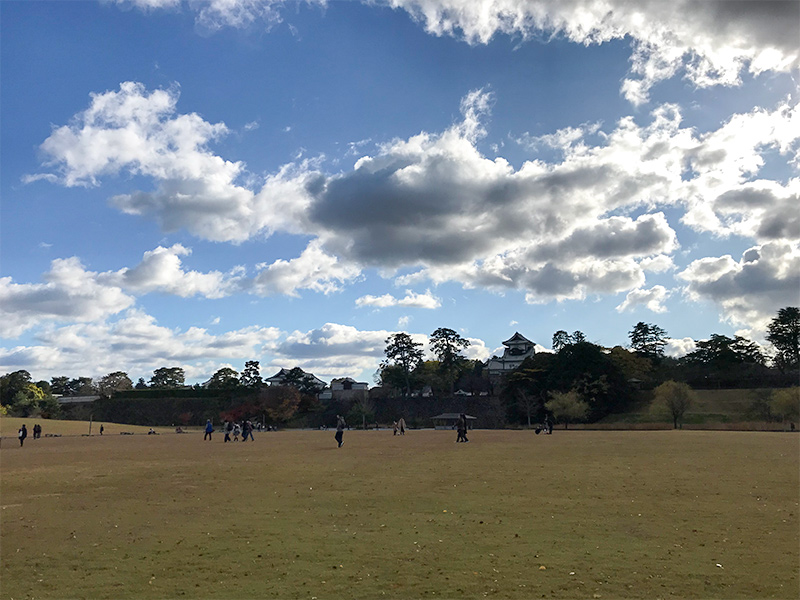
point(518, 348)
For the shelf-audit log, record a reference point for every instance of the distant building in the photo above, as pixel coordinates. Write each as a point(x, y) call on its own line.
point(518, 348)
point(308, 379)
point(345, 388)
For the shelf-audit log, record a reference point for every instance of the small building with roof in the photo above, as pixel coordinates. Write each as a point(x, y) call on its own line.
point(280, 378)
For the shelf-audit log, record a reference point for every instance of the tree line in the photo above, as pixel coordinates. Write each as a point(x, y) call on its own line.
point(578, 381)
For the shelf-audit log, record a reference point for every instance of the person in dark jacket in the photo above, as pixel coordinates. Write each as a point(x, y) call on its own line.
point(340, 425)
point(22, 434)
point(461, 426)
point(247, 430)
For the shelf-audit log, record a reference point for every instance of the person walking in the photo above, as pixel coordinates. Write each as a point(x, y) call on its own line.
point(247, 430)
point(461, 426)
point(402, 424)
point(227, 429)
point(102, 429)
point(22, 434)
point(394, 428)
point(237, 429)
point(340, 425)
point(209, 430)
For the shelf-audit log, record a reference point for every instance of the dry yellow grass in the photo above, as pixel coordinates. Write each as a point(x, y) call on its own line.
point(607, 514)
point(10, 425)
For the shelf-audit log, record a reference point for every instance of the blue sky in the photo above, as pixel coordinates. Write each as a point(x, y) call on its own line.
point(199, 184)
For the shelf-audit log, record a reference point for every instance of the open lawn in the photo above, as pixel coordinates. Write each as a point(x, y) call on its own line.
point(579, 514)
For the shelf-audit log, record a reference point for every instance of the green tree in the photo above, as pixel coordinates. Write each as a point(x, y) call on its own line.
point(675, 398)
point(301, 381)
point(224, 379)
point(114, 382)
point(168, 378)
point(82, 386)
point(560, 339)
point(590, 369)
point(631, 364)
point(785, 404)
point(723, 352)
point(784, 335)
point(363, 409)
point(251, 375)
point(648, 340)
point(59, 386)
point(11, 384)
point(401, 350)
point(446, 345)
point(141, 384)
point(578, 337)
point(527, 388)
point(567, 407)
point(25, 402)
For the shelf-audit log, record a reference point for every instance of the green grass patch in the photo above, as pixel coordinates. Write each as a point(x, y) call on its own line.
point(579, 514)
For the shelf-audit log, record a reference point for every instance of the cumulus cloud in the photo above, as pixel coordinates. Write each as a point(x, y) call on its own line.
point(333, 350)
point(652, 299)
point(313, 270)
point(410, 300)
point(709, 42)
point(69, 293)
point(137, 132)
point(135, 343)
point(161, 271)
point(590, 222)
point(679, 347)
point(751, 290)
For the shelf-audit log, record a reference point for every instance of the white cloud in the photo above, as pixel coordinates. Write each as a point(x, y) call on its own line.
point(136, 132)
point(134, 343)
point(679, 347)
point(161, 271)
point(750, 291)
point(652, 299)
point(69, 293)
point(434, 203)
point(312, 270)
point(709, 42)
point(333, 350)
point(410, 300)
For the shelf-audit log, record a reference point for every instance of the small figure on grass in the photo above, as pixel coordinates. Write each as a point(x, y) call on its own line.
point(22, 434)
point(461, 428)
point(247, 430)
point(340, 425)
point(209, 430)
point(402, 425)
point(394, 428)
point(237, 431)
point(228, 429)
point(102, 429)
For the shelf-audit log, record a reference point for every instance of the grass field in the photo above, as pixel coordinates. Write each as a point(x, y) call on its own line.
point(579, 514)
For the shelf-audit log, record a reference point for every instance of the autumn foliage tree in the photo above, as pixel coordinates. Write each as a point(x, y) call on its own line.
point(280, 403)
